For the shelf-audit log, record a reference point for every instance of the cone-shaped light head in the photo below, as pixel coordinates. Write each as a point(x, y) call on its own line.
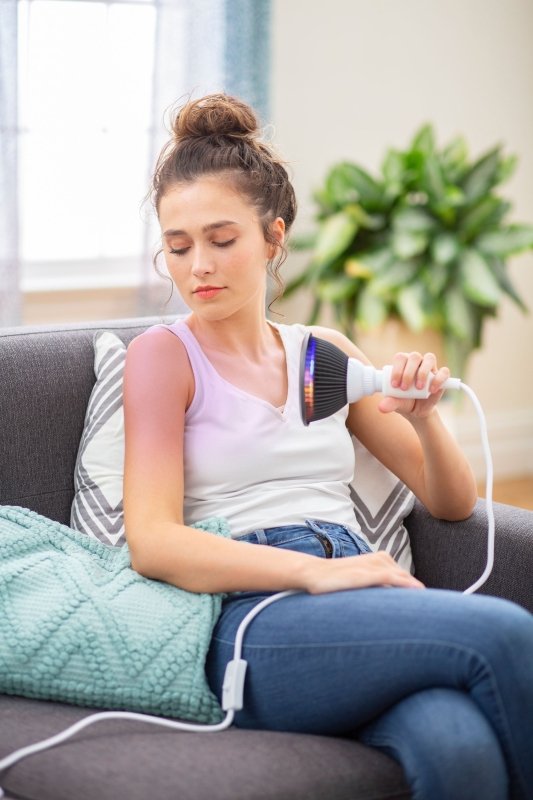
point(323, 375)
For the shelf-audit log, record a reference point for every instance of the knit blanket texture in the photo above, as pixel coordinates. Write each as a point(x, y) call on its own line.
point(79, 625)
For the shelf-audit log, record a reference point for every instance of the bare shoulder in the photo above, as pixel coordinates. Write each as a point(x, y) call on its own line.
point(157, 361)
point(340, 340)
point(154, 340)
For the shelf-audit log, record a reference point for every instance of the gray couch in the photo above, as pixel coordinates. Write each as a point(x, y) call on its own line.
point(46, 378)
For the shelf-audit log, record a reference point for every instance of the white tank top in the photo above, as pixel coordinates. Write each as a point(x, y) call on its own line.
point(257, 465)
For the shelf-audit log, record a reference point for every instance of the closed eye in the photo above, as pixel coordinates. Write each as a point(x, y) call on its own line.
point(181, 251)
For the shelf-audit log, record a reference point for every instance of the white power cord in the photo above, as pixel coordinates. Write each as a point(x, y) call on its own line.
point(234, 676)
point(489, 480)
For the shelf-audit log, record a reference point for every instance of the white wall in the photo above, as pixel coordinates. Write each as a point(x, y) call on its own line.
point(351, 78)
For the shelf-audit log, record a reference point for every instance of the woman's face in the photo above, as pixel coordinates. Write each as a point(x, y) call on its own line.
point(214, 247)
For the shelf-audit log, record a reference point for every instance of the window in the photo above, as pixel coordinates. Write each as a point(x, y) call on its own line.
point(85, 93)
point(85, 86)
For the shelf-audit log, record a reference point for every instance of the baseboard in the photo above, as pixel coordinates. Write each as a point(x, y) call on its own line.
point(510, 437)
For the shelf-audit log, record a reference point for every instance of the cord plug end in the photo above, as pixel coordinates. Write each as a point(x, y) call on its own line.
point(233, 686)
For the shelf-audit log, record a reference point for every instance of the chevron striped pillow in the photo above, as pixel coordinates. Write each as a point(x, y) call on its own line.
point(381, 504)
point(97, 505)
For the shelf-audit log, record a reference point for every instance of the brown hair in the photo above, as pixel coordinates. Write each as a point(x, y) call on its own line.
point(220, 134)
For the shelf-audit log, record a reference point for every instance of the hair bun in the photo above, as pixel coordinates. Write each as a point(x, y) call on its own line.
point(215, 115)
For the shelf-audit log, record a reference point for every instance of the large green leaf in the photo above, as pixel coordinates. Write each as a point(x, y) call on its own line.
point(412, 219)
point(324, 201)
point(459, 319)
point(445, 248)
point(506, 168)
point(315, 312)
point(397, 274)
point(457, 353)
point(333, 290)
point(355, 268)
point(369, 191)
point(370, 310)
point(424, 140)
point(434, 276)
point(393, 168)
point(370, 222)
point(406, 244)
point(486, 213)
point(477, 279)
point(411, 303)
point(335, 234)
point(433, 180)
point(506, 241)
point(482, 176)
point(453, 159)
point(446, 207)
point(376, 260)
point(340, 185)
point(499, 269)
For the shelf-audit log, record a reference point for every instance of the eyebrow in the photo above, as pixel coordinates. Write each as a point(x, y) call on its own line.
point(211, 227)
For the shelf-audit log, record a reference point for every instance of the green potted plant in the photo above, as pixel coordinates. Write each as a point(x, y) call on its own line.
point(426, 241)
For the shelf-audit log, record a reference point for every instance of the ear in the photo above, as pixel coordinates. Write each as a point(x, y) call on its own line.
point(277, 229)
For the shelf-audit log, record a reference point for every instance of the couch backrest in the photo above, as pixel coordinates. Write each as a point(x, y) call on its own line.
point(46, 376)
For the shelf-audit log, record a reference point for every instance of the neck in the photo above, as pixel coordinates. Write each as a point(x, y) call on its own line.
point(246, 336)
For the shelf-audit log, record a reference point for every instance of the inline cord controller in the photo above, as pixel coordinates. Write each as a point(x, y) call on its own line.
point(360, 380)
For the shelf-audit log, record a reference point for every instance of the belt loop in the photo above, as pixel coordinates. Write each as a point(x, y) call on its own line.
point(261, 536)
point(315, 526)
point(359, 540)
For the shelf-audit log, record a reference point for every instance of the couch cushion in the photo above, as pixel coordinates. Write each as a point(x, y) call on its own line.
point(116, 759)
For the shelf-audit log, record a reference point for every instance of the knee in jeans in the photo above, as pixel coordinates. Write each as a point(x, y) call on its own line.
point(503, 629)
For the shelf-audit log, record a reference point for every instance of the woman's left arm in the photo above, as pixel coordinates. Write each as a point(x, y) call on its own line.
point(409, 437)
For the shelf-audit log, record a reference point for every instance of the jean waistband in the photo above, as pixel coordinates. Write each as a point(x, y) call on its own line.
point(331, 530)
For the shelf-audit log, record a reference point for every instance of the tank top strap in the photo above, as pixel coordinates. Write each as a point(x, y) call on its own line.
point(196, 355)
point(204, 373)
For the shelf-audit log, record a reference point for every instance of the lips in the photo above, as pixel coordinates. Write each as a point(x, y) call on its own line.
point(207, 292)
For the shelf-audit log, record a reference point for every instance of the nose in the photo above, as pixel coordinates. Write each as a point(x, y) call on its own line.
point(202, 263)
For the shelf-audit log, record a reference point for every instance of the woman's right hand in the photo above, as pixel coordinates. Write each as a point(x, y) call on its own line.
point(356, 572)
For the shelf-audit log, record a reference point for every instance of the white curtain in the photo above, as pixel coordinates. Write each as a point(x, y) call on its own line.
point(10, 299)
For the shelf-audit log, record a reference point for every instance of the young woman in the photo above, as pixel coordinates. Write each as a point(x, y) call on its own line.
point(439, 680)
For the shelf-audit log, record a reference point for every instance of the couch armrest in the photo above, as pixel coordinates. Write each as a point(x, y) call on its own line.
point(453, 555)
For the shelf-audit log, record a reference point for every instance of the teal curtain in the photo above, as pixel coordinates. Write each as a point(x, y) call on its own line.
point(247, 52)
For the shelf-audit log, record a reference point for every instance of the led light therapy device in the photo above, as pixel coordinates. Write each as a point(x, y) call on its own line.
point(329, 380)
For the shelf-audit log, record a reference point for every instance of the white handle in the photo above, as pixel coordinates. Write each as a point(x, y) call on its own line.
point(413, 393)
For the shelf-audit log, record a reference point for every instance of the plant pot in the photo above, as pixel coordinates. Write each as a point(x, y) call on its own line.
point(381, 344)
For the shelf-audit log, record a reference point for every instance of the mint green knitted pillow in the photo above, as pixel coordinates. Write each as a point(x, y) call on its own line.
point(78, 625)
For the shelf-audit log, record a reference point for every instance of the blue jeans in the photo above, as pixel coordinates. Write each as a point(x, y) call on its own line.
point(440, 681)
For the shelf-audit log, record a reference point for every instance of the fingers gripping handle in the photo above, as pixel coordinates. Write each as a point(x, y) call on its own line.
point(363, 380)
point(413, 392)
